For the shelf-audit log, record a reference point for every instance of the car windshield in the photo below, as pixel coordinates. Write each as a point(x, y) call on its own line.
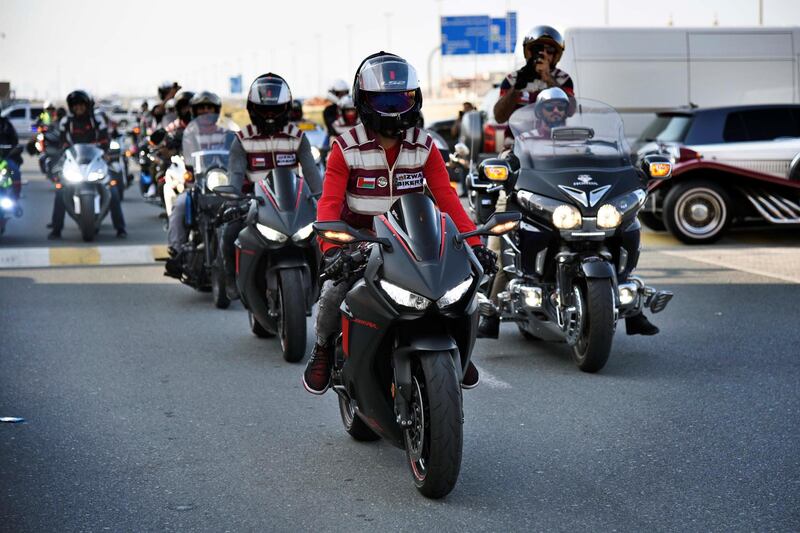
point(207, 141)
point(667, 128)
point(594, 135)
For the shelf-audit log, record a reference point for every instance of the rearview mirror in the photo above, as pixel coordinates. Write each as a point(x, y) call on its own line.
point(498, 224)
point(338, 232)
point(461, 150)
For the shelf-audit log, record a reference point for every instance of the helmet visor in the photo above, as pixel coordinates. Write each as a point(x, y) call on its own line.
point(388, 75)
point(270, 112)
point(270, 91)
point(391, 103)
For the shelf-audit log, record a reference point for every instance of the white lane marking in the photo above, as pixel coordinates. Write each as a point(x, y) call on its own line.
point(490, 380)
point(773, 262)
point(24, 257)
point(11, 258)
point(125, 255)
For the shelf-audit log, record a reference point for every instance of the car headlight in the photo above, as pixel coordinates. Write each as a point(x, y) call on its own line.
point(6, 203)
point(567, 216)
point(216, 178)
point(96, 175)
point(608, 217)
point(303, 233)
point(270, 234)
point(316, 154)
point(404, 297)
point(455, 294)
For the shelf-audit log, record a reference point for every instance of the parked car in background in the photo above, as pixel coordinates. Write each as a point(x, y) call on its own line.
point(642, 71)
point(119, 115)
point(732, 165)
point(23, 116)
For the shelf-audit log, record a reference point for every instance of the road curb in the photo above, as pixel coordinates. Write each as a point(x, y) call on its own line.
point(81, 256)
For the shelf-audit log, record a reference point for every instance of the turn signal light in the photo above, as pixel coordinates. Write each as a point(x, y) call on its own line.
point(113, 183)
point(136, 131)
point(337, 236)
point(503, 228)
point(187, 176)
point(496, 172)
point(660, 170)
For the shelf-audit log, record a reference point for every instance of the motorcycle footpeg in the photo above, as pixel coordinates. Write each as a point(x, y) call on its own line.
point(659, 301)
point(485, 306)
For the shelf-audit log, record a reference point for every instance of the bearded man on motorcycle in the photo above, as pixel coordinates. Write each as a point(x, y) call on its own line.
point(383, 157)
point(272, 140)
point(83, 126)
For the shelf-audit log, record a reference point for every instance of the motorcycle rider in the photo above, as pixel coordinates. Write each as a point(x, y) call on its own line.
point(356, 187)
point(46, 117)
point(337, 90)
point(9, 139)
point(82, 125)
point(551, 109)
point(271, 140)
point(542, 48)
point(348, 116)
point(200, 104)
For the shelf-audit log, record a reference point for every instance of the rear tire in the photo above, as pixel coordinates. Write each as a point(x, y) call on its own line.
point(257, 329)
point(86, 218)
point(697, 212)
point(434, 442)
point(357, 428)
point(593, 347)
point(292, 320)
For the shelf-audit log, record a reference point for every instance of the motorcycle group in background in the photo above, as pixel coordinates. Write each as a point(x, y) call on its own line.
point(560, 206)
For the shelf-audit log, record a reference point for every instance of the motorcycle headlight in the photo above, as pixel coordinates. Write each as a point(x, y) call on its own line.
point(316, 154)
point(404, 297)
point(567, 216)
point(455, 294)
point(216, 178)
point(114, 145)
point(608, 217)
point(303, 233)
point(628, 202)
point(96, 175)
point(73, 175)
point(270, 234)
point(6, 203)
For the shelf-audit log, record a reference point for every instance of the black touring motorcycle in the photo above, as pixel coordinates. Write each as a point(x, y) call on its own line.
point(571, 260)
point(206, 147)
point(408, 328)
point(277, 259)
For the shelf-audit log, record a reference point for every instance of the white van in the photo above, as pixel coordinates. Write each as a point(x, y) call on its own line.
point(642, 71)
point(23, 116)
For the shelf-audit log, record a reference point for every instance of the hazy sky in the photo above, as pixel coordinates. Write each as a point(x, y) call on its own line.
point(48, 47)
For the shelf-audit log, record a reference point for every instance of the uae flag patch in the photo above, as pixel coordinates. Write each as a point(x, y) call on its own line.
point(365, 183)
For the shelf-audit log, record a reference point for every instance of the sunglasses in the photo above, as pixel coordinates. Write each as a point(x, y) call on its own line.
point(542, 48)
point(552, 106)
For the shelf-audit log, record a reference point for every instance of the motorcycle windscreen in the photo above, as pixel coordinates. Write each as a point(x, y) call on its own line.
point(208, 132)
point(417, 216)
point(83, 154)
point(547, 139)
point(284, 183)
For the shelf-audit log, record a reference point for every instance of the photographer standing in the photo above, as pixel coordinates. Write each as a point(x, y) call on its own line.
point(542, 47)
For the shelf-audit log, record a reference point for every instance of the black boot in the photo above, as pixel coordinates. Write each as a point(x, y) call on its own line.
point(231, 290)
point(317, 376)
point(471, 377)
point(639, 325)
point(489, 328)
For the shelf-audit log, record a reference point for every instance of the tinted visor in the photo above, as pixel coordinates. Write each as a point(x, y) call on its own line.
point(270, 112)
point(391, 103)
point(387, 74)
point(270, 92)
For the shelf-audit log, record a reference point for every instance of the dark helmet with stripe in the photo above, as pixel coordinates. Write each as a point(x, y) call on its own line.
point(386, 94)
point(269, 103)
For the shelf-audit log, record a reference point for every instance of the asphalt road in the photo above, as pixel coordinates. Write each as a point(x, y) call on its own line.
point(148, 410)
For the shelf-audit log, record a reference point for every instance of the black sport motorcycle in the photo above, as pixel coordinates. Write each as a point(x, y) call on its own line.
point(277, 260)
point(9, 204)
point(408, 329)
point(206, 147)
point(571, 260)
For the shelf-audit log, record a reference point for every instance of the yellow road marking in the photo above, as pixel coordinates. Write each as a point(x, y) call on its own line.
point(74, 256)
point(659, 239)
point(159, 251)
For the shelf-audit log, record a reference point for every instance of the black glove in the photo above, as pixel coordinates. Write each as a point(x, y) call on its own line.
point(487, 259)
point(525, 75)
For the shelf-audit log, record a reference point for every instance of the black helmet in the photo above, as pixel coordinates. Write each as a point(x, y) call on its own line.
point(182, 105)
point(551, 98)
point(543, 36)
point(269, 103)
point(205, 98)
point(165, 88)
point(79, 97)
point(386, 94)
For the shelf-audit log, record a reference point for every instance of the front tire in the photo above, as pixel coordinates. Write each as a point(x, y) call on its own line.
point(697, 212)
point(435, 440)
point(292, 319)
point(357, 428)
point(86, 218)
point(593, 346)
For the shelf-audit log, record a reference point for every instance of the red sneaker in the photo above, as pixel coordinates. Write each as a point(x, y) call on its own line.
point(317, 376)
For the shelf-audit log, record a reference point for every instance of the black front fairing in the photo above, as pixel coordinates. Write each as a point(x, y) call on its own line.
point(285, 202)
